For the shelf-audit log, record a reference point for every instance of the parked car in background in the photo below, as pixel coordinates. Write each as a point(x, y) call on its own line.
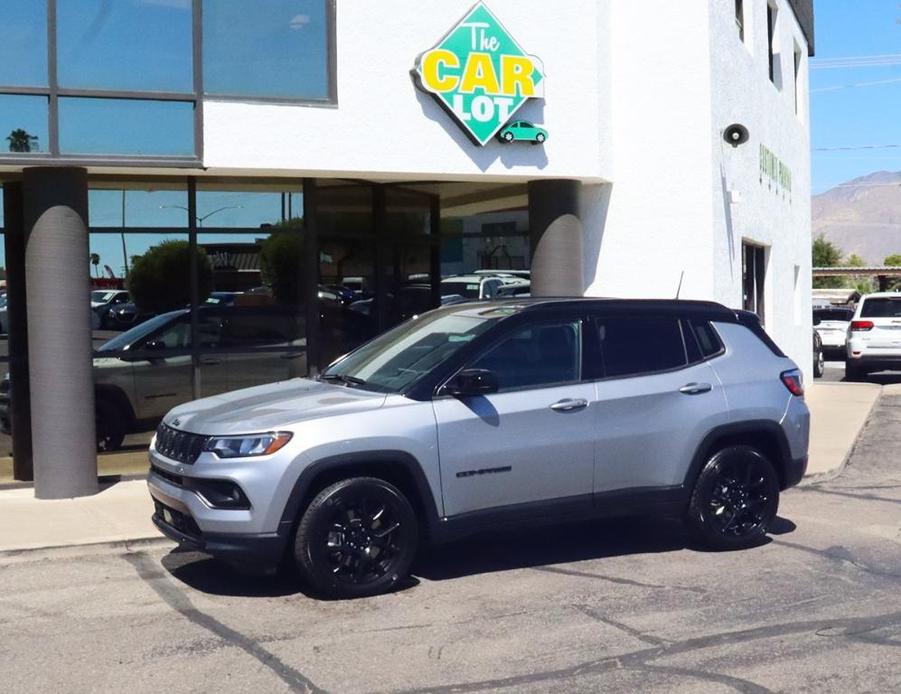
point(125, 316)
point(832, 325)
point(819, 361)
point(520, 274)
point(874, 336)
point(102, 301)
point(144, 372)
point(472, 286)
point(479, 416)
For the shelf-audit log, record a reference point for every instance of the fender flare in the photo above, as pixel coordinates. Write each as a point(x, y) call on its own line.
point(753, 426)
point(400, 459)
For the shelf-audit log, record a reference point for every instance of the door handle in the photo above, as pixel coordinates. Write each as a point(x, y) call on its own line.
point(695, 388)
point(569, 405)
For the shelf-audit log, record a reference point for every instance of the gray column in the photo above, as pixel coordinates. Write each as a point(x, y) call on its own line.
point(556, 238)
point(16, 327)
point(59, 332)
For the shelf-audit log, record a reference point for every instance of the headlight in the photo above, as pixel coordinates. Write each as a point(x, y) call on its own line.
point(247, 446)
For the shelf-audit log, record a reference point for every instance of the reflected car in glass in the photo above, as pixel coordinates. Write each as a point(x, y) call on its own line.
point(146, 371)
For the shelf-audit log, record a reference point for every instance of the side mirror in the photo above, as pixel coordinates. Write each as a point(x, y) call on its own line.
point(155, 345)
point(473, 382)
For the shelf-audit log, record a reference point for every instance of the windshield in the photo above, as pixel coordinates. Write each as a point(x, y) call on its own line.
point(399, 357)
point(842, 314)
point(881, 307)
point(130, 337)
point(468, 289)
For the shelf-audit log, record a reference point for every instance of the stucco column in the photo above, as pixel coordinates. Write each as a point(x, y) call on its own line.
point(59, 332)
point(556, 232)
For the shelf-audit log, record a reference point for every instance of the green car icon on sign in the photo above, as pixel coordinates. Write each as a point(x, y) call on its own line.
point(522, 131)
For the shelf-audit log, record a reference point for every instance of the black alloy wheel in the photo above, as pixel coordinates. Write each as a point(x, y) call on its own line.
point(735, 499)
point(819, 360)
point(358, 537)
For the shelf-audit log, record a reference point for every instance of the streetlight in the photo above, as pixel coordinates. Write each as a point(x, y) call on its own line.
point(206, 216)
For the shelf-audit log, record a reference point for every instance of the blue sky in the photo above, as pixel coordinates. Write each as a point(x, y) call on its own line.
point(855, 106)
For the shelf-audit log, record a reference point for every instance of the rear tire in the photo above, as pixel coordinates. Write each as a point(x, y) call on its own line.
point(853, 372)
point(358, 537)
point(110, 427)
point(735, 499)
point(819, 362)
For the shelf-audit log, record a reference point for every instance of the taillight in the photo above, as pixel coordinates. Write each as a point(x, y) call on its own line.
point(793, 381)
point(861, 325)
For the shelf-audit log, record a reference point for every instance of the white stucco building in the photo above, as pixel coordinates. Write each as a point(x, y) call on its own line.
point(583, 139)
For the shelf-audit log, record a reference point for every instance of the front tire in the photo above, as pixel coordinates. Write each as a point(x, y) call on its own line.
point(358, 537)
point(735, 499)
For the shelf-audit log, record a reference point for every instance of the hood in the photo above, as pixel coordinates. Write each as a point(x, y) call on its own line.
point(270, 407)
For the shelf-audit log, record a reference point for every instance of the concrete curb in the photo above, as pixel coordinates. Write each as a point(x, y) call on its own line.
point(128, 545)
point(829, 475)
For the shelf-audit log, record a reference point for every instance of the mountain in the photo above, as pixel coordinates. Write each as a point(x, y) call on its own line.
point(862, 216)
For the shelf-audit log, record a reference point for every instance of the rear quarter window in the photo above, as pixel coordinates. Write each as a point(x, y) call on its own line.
point(640, 345)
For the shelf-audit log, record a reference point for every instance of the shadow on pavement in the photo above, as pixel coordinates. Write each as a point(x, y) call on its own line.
point(486, 553)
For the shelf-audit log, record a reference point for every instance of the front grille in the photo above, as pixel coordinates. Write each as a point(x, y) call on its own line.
point(182, 446)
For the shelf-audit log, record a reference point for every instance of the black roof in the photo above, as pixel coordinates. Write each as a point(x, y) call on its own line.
point(701, 310)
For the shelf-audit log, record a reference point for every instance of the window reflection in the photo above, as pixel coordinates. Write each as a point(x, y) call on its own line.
point(280, 52)
point(126, 45)
point(23, 50)
point(23, 124)
point(126, 126)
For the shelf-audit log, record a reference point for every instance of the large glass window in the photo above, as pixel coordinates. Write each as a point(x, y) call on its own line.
point(23, 50)
point(126, 126)
point(23, 124)
point(138, 45)
point(279, 49)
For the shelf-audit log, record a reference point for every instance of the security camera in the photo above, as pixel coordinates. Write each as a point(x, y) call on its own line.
point(736, 134)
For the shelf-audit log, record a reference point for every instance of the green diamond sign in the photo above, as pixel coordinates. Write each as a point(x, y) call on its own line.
point(482, 77)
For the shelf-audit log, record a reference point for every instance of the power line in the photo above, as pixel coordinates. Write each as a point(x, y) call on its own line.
point(855, 147)
point(855, 85)
point(859, 61)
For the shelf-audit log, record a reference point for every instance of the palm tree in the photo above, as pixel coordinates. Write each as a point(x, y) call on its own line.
point(95, 261)
point(20, 141)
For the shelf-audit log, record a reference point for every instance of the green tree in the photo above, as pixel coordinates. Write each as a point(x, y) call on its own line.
point(20, 141)
point(855, 260)
point(893, 260)
point(281, 260)
point(95, 262)
point(160, 280)
point(826, 254)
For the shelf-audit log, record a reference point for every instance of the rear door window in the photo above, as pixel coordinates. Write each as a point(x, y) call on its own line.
point(640, 345)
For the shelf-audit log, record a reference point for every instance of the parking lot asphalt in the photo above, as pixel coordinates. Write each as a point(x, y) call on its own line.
point(616, 606)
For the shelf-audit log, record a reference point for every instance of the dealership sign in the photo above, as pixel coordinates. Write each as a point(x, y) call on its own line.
point(480, 74)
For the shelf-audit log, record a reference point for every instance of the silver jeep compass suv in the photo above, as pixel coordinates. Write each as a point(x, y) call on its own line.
point(482, 415)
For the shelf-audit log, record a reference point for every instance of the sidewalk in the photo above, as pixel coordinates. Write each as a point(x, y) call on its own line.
point(118, 513)
point(121, 512)
point(838, 413)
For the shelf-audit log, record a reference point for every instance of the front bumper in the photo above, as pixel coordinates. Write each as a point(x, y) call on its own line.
point(187, 510)
point(174, 520)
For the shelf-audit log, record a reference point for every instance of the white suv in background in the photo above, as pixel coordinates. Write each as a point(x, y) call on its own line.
point(832, 323)
point(874, 336)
